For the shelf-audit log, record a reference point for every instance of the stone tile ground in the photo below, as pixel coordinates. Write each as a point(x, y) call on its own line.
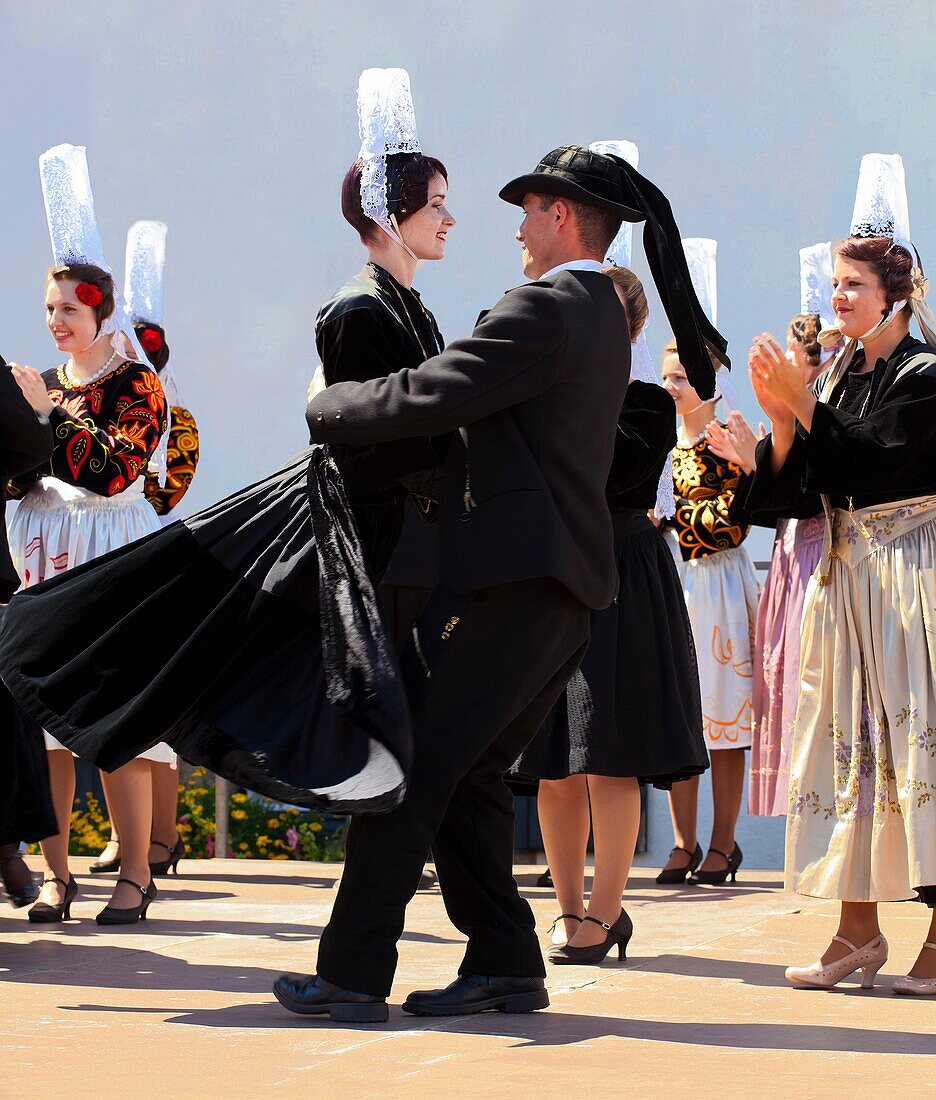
point(180, 1006)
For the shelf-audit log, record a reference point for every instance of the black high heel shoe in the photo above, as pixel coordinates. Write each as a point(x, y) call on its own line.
point(719, 878)
point(105, 866)
point(18, 895)
point(164, 866)
point(618, 933)
point(110, 915)
point(44, 913)
point(676, 875)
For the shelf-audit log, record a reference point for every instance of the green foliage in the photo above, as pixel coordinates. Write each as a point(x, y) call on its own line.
point(257, 829)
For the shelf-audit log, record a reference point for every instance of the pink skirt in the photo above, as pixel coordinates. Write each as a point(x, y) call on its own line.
point(796, 552)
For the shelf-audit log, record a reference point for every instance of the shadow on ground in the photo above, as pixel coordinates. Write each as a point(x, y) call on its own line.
point(559, 1029)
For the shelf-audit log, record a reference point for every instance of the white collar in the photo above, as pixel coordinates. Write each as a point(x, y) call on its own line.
point(574, 265)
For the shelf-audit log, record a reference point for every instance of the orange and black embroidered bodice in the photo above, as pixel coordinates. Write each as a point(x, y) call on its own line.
point(705, 486)
point(104, 433)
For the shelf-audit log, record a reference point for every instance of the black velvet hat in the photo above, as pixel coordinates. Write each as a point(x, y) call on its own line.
point(609, 182)
point(574, 172)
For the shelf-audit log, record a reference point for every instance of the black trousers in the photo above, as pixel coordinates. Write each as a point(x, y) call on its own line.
point(483, 672)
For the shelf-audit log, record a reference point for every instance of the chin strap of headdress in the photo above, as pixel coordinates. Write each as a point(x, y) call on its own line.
point(387, 123)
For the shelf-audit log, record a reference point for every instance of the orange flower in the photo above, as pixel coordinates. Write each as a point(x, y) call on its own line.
point(135, 433)
point(149, 386)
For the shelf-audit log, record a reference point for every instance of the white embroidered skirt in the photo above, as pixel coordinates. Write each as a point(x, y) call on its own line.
point(862, 818)
point(57, 526)
point(721, 596)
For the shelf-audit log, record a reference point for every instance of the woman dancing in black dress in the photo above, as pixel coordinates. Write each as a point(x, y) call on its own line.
point(275, 670)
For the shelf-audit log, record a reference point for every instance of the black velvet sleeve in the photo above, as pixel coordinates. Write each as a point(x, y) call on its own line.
point(509, 358)
point(645, 436)
point(359, 345)
point(25, 444)
point(888, 451)
point(769, 496)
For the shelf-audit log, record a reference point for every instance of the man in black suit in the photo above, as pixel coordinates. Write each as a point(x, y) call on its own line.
point(525, 552)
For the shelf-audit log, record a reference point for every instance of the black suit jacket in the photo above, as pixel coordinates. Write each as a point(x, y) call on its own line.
point(25, 445)
point(536, 390)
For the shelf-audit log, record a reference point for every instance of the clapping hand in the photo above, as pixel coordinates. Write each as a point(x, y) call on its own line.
point(779, 384)
point(736, 441)
point(34, 389)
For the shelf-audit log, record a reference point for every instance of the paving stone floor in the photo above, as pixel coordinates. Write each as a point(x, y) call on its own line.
point(180, 1006)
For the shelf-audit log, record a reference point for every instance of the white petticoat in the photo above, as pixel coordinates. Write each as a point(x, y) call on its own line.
point(721, 597)
point(57, 526)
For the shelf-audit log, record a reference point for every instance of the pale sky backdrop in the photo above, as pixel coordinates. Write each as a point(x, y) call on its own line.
point(234, 122)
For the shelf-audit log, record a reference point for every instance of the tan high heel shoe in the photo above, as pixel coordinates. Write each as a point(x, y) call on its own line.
point(917, 987)
point(868, 959)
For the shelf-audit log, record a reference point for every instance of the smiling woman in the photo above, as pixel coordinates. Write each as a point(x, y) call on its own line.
point(417, 186)
point(862, 817)
point(79, 299)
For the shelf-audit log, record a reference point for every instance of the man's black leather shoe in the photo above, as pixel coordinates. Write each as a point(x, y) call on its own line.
point(471, 993)
point(310, 995)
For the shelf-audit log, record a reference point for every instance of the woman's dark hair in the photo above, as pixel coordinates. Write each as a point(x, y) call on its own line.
point(89, 273)
point(804, 328)
point(152, 339)
point(635, 300)
point(408, 178)
point(891, 263)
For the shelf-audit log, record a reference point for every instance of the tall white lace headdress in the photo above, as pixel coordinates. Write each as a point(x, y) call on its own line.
point(69, 204)
point(700, 259)
point(882, 210)
point(387, 122)
point(816, 289)
point(642, 368)
point(144, 294)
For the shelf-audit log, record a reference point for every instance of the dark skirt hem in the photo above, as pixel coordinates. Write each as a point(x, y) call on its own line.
point(634, 708)
point(248, 637)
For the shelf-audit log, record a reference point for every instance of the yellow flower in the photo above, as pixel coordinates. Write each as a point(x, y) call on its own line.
point(238, 815)
point(272, 823)
point(316, 826)
point(243, 845)
point(263, 841)
point(239, 797)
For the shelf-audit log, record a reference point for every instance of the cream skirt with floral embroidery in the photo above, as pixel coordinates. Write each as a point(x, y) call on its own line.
point(862, 821)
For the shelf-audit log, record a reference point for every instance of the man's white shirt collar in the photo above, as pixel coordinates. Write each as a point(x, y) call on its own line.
point(574, 265)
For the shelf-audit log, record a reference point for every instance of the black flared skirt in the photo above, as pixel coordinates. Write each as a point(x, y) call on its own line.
point(634, 707)
point(247, 636)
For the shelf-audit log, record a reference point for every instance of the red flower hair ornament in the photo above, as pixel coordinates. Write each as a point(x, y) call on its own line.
point(89, 294)
point(151, 339)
